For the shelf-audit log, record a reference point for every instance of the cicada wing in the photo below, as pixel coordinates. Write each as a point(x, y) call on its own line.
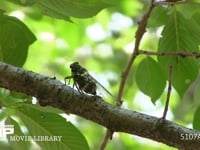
point(100, 86)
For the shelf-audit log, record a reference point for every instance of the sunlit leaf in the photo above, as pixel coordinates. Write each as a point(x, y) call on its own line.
point(196, 120)
point(158, 16)
point(46, 108)
point(196, 95)
point(178, 36)
point(11, 98)
point(188, 10)
point(3, 115)
point(21, 144)
point(63, 9)
point(24, 2)
point(150, 79)
point(195, 30)
point(15, 39)
point(20, 95)
point(41, 123)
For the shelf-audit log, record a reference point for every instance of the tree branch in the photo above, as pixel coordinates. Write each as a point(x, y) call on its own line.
point(181, 54)
point(54, 93)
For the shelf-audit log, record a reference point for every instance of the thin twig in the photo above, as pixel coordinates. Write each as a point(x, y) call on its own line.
point(108, 136)
point(176, 3)
point(182, 54)
point(139, 34)
point(168, 91)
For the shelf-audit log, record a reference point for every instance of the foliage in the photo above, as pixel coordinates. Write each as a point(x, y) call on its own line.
point(102, 43)
point(151, 85)
point(13, 48)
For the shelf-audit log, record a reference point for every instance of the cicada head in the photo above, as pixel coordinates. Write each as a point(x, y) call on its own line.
point(75, 67)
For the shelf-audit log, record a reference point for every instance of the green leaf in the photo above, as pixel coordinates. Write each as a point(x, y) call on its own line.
point(196, 120)
point(22, 145)
point(63, 9)
point(196, 95)
point(3, 114)
point(150, 79)
point(15, 39)
point(188, 10)
point(11, 98)
point(41, 123)
point(158, 17)
point(46, 108)
point(20, 95)
point(195, 30)
point(24, 2)
point(178, 36)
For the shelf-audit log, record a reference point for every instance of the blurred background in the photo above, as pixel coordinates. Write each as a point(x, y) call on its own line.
point(103, 45)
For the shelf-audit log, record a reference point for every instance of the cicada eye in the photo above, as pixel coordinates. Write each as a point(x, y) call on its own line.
point(74, 65)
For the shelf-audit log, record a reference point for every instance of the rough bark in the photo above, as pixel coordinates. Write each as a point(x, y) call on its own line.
point(54, 93)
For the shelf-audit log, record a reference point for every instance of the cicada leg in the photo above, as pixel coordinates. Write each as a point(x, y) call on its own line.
point(77, 87)
point(68, 78)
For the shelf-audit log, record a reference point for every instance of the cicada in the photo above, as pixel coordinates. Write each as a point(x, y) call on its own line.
point(83, 81)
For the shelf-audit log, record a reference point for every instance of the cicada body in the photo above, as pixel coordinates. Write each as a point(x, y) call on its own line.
point(84, 81)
